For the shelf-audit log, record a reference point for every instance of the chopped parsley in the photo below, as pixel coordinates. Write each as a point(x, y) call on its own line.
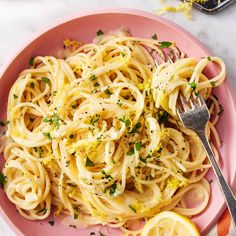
point(2, 180)
point(32, 85)
point(123, 54)
point(56, 120)
point(213, 83)
point(96, 84)
point(135, 128)
point(132, 208)
point(101, 234)
point(154, 36)
point(193, 85)
point(130, 152)
point(100, 32)
point(43, 210)
point(75, 216)
point(113, 189)
point(31, 61)
point(165, 44)
point(15, 96)
point(143, 160)
point(46, 80)
point(209, 58)
point(163, 116)
point(54, 93)
point(89, 163)
point(95, 118)
point(47, 120)
point(138, 146)
point(74, 105)
point(51, 222)
point(119, 103)
point(125, 120)
point(47, 135)
point(92, 77)
point(106, 175)
point(107, 91)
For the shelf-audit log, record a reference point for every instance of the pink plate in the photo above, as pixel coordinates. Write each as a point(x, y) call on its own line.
point(84, 27)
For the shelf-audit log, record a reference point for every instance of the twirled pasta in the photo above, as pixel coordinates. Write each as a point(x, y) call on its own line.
point(96, 134)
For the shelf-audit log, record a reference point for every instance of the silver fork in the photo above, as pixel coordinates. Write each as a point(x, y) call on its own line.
point(195, 117)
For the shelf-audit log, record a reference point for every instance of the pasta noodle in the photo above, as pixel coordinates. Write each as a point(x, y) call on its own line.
point(96, 134)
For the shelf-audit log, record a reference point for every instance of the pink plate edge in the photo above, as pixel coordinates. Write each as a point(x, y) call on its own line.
point(115, 10)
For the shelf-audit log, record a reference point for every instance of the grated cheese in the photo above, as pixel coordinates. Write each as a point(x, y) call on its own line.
point(185, 7)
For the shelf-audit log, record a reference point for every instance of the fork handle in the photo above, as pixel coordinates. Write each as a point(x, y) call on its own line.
point(226, 191)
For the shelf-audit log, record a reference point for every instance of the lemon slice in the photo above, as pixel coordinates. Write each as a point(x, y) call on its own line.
point(171, 224)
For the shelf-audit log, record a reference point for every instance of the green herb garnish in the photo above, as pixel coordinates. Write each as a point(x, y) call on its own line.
point(135, 128)
point(46, 80)
point(74, 105)
point(209, 58)
point(96, 84)
point(15, 96)
point(125, 120)
point(130, 152)
point(163, 116)
point(106, 175)
point(132, 208)
point(31, 61)
point(44, 210)
point(95, 118)
point(154, 36)
point(123, 54)
point(193, 85)
point(138, 146)
point(32, 85)
point(89, 163)
point(143, 160)
point(101, 234)
point(47, 135)
point(165, 44)
point(100, 32)
point(107, 91)
point(51, 222)
point(92, 77)
point(113, 189)
point(47, 120)
point(56, 120)
point(213, 83)
point(54, 93)
point(75, 216)
point(2, 180)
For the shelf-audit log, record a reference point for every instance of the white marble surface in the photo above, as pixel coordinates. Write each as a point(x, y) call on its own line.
point(20, 19)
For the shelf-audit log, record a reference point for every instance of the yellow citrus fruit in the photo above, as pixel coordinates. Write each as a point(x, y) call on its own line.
point(171, 224)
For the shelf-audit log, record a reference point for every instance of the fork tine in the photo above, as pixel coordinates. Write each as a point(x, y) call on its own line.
point(184, 102)
point(176, 56)
point(201, 100)
point(192, 102)
point(156, 63)
point(170, 59)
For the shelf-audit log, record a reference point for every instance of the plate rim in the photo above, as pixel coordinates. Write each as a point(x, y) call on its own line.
point(116, 10)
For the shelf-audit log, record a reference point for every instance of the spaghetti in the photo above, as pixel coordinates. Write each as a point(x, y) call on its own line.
point(96, 134)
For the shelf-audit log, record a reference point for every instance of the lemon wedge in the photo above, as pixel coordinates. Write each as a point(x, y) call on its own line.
point(169, 223)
